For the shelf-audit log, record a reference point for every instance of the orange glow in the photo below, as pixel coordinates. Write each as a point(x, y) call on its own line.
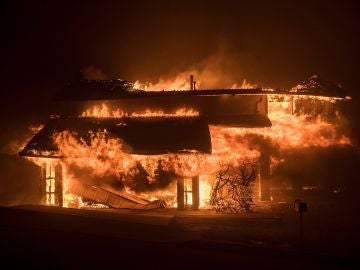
point(188, 191)
point(48, 169)
point(177, 82)
point(244, 85)
point(181, 83)
point(294, 131)
point(205, 190)
point(230, 145)
point(104, 111)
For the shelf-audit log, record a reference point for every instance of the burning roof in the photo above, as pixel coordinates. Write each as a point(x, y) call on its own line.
point(115, 89)
point(315, 85)
point(81, 90)
point(95, 89)
point(141, 135)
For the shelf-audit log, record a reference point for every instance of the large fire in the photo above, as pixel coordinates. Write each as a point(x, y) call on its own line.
point(104, 111)
point(181, 82)
point(102, 161)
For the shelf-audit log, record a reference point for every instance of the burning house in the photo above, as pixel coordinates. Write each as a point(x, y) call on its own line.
point(111, 144)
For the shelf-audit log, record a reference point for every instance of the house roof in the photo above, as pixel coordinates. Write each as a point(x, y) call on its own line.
point(316, 85)
point(81, 90)
point(121, 89)
point(142, 135)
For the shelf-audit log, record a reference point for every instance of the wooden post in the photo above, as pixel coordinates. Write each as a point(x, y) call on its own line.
point(195, 193)
point(265, 176)
point(59, 184)
point(180, 193)
point(43, 183)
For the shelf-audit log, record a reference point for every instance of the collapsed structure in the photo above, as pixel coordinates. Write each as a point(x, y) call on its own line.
point(164, 137)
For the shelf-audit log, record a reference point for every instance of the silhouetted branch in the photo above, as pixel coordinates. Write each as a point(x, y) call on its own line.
point(233, 188)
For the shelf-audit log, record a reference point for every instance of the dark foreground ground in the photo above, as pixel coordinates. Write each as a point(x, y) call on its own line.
point(55, 238)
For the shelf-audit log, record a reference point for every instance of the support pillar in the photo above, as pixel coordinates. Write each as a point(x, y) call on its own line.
point(265, 176)
point(59, 184)
point(180, 193)
point(195, 193)
point(292, 105)
point(43, 183)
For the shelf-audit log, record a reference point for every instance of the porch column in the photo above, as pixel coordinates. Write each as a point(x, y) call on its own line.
point(59, 184)
point(195, 193)
point(265, 176)
point(180, 193)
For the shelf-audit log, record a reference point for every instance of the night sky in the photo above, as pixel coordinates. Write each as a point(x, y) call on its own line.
point(272, 43)
point(44, 44)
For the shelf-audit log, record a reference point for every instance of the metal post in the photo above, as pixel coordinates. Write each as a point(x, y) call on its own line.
point(301, 227)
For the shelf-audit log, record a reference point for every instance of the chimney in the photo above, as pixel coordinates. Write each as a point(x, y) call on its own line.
point(192, 82)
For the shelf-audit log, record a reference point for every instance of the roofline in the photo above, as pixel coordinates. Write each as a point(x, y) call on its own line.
point(130, 94)
point(22, 154)
point(282, 92)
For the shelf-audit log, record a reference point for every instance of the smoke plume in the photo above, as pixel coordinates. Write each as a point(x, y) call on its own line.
point(93, 73)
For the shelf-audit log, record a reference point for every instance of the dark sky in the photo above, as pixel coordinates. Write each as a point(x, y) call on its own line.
point(271, 43)
point(274, 43)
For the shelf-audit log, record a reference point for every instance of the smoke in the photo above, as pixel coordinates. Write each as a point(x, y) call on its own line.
point(219, 70)
point(139, 180)
point(262, 144)
point(327, 167)
point(350, 113)
point(19, 178)
point(93, 73)
point(15, 134)
point(308, 152)
point(87, 175)
point(20, 183)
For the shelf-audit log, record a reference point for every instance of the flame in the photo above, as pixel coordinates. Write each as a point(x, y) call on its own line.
point(103, 156)
point(181, 83)
point(104, 111)
point(205, 190)
point(178, 82)
point(293, 131)
point(244, 85)
point(48, 169)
